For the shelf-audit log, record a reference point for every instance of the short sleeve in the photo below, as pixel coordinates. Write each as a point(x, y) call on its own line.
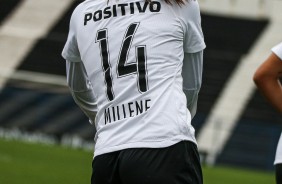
point(193, 34)
point(71, 51)
point(277, 50)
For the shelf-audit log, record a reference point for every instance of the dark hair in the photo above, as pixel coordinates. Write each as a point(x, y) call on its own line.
point(179, 2)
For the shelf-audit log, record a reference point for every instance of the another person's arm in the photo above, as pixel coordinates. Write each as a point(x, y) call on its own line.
point(267, 80)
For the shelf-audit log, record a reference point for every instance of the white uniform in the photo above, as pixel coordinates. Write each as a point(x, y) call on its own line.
point(277, 50)
point(132, 53)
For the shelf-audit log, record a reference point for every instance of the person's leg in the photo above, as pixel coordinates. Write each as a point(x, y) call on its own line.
point(105, 169)
point(278, 173)
point(177, 164)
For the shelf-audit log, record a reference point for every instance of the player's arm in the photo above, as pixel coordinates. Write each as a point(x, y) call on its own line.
point(266, 79)
point(81, 88)
point(192, 79)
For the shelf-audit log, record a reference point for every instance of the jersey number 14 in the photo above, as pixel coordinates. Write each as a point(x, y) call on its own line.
point(123, 69)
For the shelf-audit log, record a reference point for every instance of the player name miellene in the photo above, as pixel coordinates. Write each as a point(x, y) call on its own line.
point(127, 110)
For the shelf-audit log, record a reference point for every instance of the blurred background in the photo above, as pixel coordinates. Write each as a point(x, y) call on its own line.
point(235, 126)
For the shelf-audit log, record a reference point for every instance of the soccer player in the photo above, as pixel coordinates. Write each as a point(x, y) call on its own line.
point(267, 80)
point(135, 69)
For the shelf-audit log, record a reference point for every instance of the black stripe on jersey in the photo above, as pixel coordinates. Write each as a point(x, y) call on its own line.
point(142, 68)
point(123, 68)
point(102, 37)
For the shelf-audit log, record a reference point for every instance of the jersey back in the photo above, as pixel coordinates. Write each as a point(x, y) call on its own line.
point(133, 53)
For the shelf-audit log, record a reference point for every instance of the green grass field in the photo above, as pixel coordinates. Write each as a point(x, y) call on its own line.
point(26, 163)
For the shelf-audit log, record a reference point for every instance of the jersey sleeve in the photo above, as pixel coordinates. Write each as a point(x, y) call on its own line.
point(77, 77)
point(192, 79)
point(277, 50)
point(193, 34)
point(71, 51)
point(81, 89)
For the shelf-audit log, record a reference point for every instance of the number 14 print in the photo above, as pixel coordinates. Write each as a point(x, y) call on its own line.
point(123, 69)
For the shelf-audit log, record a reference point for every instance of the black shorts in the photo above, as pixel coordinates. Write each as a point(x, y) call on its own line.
point(177, 164)
point(278, 173)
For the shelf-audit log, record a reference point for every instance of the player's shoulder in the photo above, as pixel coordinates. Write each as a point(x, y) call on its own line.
point(189, 9)
point(187, 12)
point(79, 8)
point(78, 11)
point(87, 5)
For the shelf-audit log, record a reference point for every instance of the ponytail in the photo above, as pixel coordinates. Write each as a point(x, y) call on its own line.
point(179, 2)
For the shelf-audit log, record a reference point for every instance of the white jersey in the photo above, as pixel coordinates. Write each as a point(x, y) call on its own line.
point(277, 50)
point(133, 54)
point(278, 155)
